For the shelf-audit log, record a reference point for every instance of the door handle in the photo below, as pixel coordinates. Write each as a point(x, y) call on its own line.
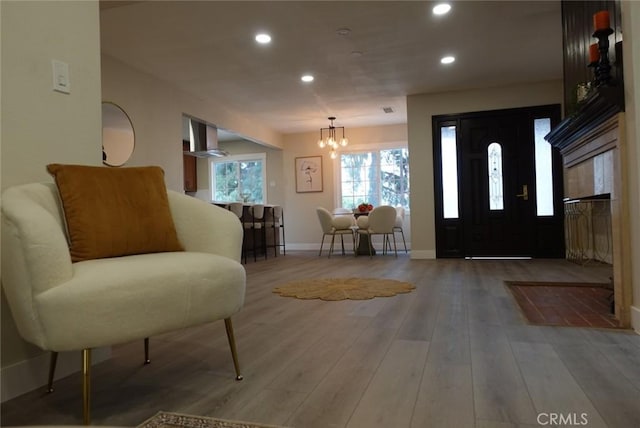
point(525, 193)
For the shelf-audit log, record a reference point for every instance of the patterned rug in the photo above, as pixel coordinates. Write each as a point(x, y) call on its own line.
point(565, 304)
point(333, 289)
point(177, 420)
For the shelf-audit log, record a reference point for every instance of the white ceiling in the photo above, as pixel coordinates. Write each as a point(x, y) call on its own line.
point(207, 48)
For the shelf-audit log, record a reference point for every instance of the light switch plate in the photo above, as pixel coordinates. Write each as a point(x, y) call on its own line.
point(61, 81)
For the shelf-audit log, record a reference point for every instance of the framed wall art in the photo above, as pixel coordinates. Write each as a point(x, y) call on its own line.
point(309, 174)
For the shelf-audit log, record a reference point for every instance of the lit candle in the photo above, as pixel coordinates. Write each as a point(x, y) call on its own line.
point(601, 20)
point(594, 53)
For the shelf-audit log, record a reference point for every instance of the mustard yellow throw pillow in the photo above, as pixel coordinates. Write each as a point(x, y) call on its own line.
point(113, 212)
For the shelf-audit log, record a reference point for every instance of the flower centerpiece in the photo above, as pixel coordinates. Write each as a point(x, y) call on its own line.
point(365, 207)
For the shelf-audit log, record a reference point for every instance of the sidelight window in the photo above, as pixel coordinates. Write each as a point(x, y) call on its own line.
point(544, 170)
point(448, 151)
point(496, 200)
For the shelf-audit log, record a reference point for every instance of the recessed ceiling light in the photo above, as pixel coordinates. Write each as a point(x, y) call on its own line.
point(447, 59)
point(441, 9)
point(263, 38)
point(344, 31)
point(307, 78)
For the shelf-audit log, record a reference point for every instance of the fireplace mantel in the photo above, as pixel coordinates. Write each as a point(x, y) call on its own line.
point(601, 104)
point(594, 163)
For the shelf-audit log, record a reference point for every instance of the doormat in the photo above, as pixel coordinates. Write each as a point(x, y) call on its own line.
point(565, 304)
point(178, 420)
point(333, 289)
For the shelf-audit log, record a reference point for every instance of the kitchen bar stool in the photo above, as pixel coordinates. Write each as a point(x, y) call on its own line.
point(257, 224)
point(238, 209)
point(277, 224)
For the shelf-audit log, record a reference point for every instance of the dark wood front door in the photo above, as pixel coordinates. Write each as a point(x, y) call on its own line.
point(498, 210)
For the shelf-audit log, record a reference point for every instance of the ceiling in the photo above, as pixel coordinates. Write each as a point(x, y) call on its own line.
point(393, 49)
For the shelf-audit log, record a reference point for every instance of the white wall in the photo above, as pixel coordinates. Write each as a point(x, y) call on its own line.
point(40, 126)
point(631, 53)
point(301, 221)
point(420, 109)
point(155, 108)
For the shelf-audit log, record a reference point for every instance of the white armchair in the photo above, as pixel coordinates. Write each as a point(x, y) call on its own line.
point(62, 306)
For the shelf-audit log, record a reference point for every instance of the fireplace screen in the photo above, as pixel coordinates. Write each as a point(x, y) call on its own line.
point(588, 230)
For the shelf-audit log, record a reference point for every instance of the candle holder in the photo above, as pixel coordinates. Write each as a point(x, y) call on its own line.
point(592, 65)
point(602, 68)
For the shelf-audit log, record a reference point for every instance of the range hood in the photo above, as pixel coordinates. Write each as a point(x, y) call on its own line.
point(203, 141)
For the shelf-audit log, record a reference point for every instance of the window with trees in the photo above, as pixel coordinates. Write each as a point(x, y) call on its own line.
point(239, 178)
point(378, 177)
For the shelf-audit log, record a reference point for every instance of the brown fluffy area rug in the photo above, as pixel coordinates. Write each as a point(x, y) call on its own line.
point(333, 289)
point(177, 420)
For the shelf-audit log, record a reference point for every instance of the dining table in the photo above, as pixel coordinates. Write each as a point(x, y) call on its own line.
point(363, 238)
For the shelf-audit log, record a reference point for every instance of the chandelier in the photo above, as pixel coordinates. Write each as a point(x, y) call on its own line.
point(328, 138)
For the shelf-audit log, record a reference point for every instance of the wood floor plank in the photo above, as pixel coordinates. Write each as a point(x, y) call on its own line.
point(420, 320)
point(551, 386)
point(269, 407)
point(625, 358)
point(445, 398)
point(525, 333)
point(613, 395)
point(499, 391)
point(308, 370)
point(369, 308)
point(483, 310)
point(389, 399)
point(394, 312)
point(332, 403)
point(314, 364)
point(484, 423)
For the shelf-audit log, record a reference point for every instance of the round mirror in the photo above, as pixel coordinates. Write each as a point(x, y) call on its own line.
point(118, 138)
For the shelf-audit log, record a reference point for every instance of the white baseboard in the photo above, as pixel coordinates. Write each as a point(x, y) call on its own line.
point(305, 247)
point(27, 375)
point(348, 246)
point(635, 318)
point(423, 254)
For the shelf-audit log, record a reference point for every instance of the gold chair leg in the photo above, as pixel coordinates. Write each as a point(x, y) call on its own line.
point(52, 370)
point(146, 351)
point(86, 386)
point(232, 344)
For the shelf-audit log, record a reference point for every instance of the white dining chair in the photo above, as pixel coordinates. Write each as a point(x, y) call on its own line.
point(380, 221)
point(334, 225)
point(398, 226)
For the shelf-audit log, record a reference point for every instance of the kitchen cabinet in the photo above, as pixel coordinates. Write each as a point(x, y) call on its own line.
point(189, 169)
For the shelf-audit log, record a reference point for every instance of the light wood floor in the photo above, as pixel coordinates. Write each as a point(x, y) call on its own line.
point(453, 353)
